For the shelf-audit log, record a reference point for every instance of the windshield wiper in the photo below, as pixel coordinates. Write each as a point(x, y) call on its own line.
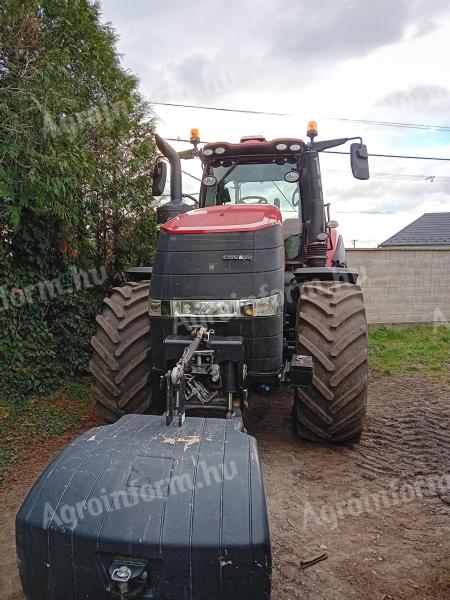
point(282, 193)
point(233, 166)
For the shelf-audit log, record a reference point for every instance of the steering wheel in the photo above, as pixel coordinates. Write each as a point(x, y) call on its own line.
point(261, 199)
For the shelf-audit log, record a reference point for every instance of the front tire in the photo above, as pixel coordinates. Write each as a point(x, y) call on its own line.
point(331, 327)
point(121, 364)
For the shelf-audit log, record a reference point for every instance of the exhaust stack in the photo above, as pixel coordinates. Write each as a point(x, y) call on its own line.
point(176, 205)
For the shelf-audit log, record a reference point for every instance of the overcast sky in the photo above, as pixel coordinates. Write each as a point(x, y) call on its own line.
point(384, 60)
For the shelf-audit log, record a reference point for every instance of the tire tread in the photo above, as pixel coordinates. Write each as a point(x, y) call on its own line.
point(121, 360)
point(331, 327)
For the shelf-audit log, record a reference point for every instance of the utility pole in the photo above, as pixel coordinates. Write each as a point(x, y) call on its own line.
point(354, 243)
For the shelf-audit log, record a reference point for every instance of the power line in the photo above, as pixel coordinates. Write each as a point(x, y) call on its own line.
point(391, 124)
point(347, 153)
point(190, 175)
point(392, 155)
point(231, 110)
point(404, 176)
point(178, 139)
point(397, 124)
point(376, 212)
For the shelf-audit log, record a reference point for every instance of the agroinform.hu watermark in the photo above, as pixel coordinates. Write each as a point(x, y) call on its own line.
point(48, 289)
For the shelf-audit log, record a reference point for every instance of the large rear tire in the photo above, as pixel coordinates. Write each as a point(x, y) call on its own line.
point(331, 327)
point(121, 364)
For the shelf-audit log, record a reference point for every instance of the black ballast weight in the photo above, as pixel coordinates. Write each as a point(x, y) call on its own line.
point(141, 510)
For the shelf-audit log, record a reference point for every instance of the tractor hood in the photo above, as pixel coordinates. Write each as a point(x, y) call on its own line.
point(224, 219)
point(221, 253)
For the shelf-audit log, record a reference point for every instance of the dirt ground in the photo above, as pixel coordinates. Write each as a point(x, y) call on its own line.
point(380, 510)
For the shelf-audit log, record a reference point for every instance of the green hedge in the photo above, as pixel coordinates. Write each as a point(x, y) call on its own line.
point(76, 156)
point(47, 313)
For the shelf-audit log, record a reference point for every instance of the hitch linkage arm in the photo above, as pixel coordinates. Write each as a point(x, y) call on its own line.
point(176, 378)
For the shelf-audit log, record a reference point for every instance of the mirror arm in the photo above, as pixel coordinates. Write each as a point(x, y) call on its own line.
point(326, 144)
point(188, 154)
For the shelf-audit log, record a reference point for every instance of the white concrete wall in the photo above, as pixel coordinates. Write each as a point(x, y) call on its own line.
point(404, 285)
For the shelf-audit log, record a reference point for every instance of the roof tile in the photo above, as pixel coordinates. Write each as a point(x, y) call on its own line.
point(431, 229)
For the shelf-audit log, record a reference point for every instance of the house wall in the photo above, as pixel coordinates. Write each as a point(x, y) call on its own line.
point(404, 285)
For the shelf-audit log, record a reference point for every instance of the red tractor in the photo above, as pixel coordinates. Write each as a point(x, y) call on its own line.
point(260, 264)
point(248, 291)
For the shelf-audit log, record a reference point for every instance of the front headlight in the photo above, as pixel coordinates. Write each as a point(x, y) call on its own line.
point(253, 307)
point(154, 307)
point(204, 308)
point(268, 306)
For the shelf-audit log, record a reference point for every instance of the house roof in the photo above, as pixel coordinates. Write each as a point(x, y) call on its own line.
point(431, 229)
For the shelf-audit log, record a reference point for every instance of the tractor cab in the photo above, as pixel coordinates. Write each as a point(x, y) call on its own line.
point(283, 173)
point(258, 172)
point(253, 172)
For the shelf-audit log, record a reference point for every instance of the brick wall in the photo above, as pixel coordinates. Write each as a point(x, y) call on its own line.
point(404, 285)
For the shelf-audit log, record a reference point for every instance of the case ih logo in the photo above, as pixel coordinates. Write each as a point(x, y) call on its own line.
point(237, 257)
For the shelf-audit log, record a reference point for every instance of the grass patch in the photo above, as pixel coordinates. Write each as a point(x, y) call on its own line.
point(421, 349)
point(40, 419)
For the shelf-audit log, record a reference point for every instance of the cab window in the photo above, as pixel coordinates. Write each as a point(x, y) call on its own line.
point(261, 183)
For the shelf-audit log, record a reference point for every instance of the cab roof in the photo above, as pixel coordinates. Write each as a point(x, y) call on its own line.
point(252, 147)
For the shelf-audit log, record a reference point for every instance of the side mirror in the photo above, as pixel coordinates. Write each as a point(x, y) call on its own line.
point(359, 160)
point(159, 178)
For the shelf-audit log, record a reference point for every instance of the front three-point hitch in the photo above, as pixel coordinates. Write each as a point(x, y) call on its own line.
point(176, 378)
point(211, 374)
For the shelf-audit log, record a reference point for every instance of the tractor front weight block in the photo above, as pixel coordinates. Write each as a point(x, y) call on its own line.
point(141, 511)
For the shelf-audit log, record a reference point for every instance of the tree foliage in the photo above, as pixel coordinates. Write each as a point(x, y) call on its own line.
point(76, 155)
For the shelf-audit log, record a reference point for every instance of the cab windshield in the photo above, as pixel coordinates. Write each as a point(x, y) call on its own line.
point(251, 183)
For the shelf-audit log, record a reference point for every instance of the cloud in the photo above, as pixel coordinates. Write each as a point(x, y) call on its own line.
point(334, 31)
point(192, 79)
point(258, 43)
point(419, 100)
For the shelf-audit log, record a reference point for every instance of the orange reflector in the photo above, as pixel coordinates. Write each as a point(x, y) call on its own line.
point(248, 310)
